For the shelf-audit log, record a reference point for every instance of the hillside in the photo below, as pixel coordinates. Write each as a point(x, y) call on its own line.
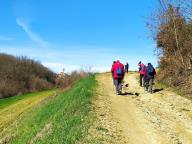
point(48, 117)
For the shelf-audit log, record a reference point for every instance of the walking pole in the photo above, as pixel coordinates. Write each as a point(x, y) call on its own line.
point(113, 85)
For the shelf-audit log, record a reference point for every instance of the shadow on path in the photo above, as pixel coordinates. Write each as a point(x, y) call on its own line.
point(129, 93)
point(157, 90)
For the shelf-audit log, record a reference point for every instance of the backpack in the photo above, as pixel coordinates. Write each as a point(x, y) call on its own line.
point(150, 70)
point(119, 71)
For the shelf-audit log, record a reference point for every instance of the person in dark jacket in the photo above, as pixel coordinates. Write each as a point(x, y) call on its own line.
point(127, 67)
point(118, 74)
point(150, 73)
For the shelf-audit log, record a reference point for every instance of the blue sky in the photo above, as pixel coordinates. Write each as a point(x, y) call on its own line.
point(74, 34)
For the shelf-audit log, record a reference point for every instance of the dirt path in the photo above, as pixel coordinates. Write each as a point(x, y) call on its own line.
point(159, 118)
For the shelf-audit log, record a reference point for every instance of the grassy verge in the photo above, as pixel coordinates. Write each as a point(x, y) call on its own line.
point(62, 120)
point(162, 85)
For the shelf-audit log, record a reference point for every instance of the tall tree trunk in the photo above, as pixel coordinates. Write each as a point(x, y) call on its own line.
point(177, 40)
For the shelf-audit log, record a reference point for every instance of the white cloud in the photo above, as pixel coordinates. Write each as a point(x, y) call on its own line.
point(58, 67)
point(5, 38)
point(100, 69)
point(57, 59)
point(33, 36)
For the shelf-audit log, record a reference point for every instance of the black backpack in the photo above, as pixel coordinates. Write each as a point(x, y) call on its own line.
point(150, 70)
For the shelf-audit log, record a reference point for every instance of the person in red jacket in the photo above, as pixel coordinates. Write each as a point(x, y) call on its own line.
point(118, 75)
point(142, 72)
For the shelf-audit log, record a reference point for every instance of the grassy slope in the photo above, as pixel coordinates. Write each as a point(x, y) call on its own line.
point(12, 108)
point(62, 120)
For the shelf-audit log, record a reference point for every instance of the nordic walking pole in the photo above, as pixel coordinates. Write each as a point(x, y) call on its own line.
point(114, 87)
point(113, 83)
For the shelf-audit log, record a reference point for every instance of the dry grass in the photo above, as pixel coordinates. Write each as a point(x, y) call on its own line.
point(45, 131)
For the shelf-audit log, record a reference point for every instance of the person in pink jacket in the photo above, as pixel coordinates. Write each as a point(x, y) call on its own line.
point(118, 75)
point(142, 72)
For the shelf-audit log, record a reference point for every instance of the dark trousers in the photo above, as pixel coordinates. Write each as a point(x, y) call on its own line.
point(113, 79)
point(118, 85)
point(142, 79)
point(149, 84)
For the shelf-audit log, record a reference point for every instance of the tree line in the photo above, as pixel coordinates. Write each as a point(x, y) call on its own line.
point(20, 75)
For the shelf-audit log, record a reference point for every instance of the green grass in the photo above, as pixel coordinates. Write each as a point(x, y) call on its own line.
point(178, 91)
point(160, 85)
point(14, 108)
point(63, 120)
point(11, 100)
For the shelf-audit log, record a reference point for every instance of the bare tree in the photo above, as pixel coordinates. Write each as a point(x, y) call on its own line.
point(171, 27)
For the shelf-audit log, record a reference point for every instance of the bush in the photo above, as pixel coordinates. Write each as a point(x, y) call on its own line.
point(21, 75)
point(173, 35)
point(7, 88)
point(64, 80)
point(37, 84)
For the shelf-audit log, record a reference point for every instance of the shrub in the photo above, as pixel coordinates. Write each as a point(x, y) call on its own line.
point(64, 80)
point(173, 35)
point(37, 84)
point(21, 75)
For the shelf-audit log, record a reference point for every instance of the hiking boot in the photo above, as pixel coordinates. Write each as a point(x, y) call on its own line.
point(150, 91)
point(118, 93)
